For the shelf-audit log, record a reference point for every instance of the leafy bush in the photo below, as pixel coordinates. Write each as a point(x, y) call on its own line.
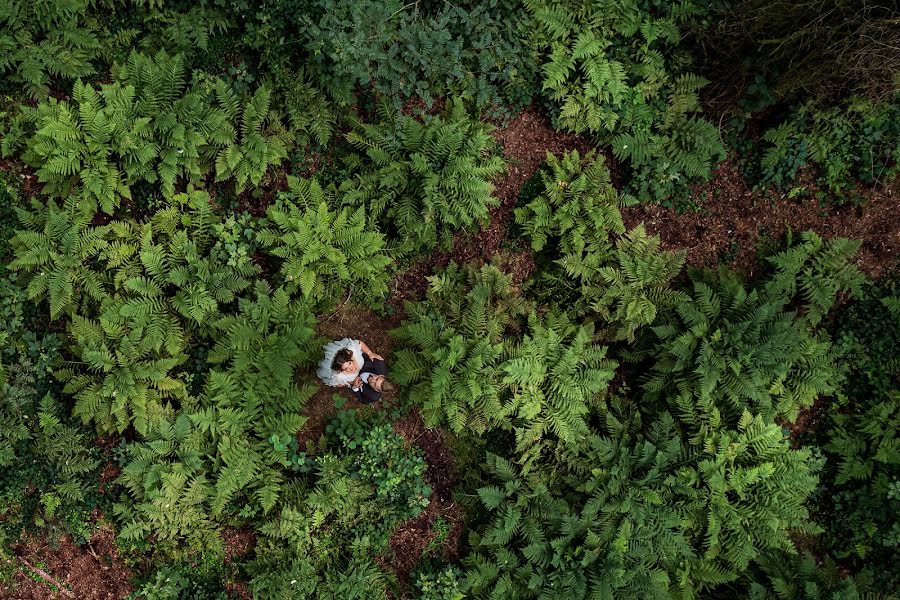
point(215, 460)
point(638, 285)
point(431, 50)
point(149, 125)
point(618, 73)
point(324, 250)
point(49, 467)
point(861, 479)
point(452, 345)
point(441, 585)
point(423, 181)
point(857, 141)
point(383, 460)
point(47, 40)
point(725, 349)
point(130, 321)
point(181, 581)
point(632, 515)
point(569, 224)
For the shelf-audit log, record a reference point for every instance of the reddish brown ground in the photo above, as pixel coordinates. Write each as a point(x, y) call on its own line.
point(733, 220)
point(416, 537)
point(92, 571)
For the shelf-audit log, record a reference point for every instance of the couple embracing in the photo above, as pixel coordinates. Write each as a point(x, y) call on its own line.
point(351, 363)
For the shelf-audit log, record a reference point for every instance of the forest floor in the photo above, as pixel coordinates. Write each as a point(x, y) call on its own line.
point(733, 222)
point(91, 571)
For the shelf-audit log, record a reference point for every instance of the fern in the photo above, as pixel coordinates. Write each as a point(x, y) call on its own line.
point(55, 255)
point(570, 223)
point(630, 514)
point(260, 142)
point(452, 348)
point(731, 349)
point(604, 68)
point(324, 251)
point(40, 42)
point(635, 290)
point(817, 271)
point(423, 181)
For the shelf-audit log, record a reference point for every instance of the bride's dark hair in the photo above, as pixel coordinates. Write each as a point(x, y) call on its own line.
point(342, 356)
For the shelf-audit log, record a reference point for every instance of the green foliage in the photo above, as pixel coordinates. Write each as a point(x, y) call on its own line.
point(725, 349)
point(639, 285)
point(55, 255)
point(423, 181)
point(149, 125)
point(631, 515)
point(617, 72)
point(260, 142)
point(324, 250)
point(332, 521)
point(791, 576)
point(383, 460)
point(41, 41)
point(555, 376)
point(856, 142)
point(451, 348)
point(472, 50)
point(441, 585)
point(129, 322)
point(861, 479)
point(49, 468)
point(817, 271)
point(216, 458)
point(569, 224)
point(181, 581)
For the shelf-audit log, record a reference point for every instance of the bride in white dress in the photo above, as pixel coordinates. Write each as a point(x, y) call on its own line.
point(343, 361)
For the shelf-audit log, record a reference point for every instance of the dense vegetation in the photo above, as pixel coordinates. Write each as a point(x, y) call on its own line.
point(189, 190)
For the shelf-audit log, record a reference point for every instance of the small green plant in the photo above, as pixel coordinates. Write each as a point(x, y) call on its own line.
point(383, 459)
point(287, 445)
point(446, 584)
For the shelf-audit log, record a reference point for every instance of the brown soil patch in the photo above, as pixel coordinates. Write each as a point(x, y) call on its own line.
point(415, 538)
point(525, 142)
point(22, 176)
point(809, 419)
point(734, 219)
point(238, 543)
point(92, 571)
point(349, 320)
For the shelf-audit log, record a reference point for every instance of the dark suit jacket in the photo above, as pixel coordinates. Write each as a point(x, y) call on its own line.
point(367, 394)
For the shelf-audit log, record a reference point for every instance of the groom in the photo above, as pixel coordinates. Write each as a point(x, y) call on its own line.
point(371, 383)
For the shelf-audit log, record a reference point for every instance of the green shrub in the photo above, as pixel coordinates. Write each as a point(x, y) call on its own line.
point(861, 479)
point(324, 250)
point(445, 584)
point(129, 322)
point(40, 42)
point(149, 125)
point(429, 50)
point(634, 515)
point(618, 72)
point(793, 576)
point(423, 181)
point(451, 348)
point(48, 468)
point(569, 224)
point(855, 142)
point(182, 581)
point(725, 349)
point(383, 460)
